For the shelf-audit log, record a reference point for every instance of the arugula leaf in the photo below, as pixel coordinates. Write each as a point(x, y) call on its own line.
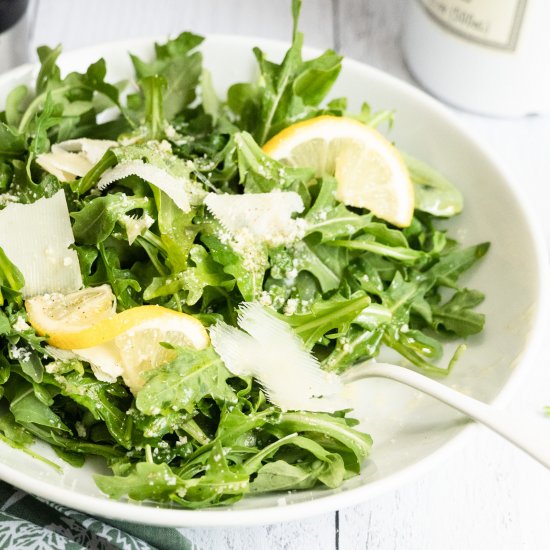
point(358, 344)
point(27, 409)
point(6, 175)
point(331, 218)
point(152, 88)
point(203, 273)
point(284, 93)
point(238, 428)
point(5, 326)
point(274, 476)
point(29, 361)
point(176, 231)
point(100, 265)
point(324, 263)
point(259, 173)
point(457, 316)
point(49, 74)
point(184, 381)
point(97, 397)
point(433, 192)
point(145, 481)
point(75, 98)
point(50, 116)
point(368, 243)
point(180, 65)
point(218, 482)
point(12, 143)
point(247, 272)
point(337, 428)
point(10, 277)
point(454, 263)
point(14, 104)
point(282, 476)
point(12, 430)
point(335, 313)
point(97, 219)
point(210, 101)
point(83, 185)
point(94, 79)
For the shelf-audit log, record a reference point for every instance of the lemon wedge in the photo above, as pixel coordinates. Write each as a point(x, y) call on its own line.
point(369, 170)
point(123, 344)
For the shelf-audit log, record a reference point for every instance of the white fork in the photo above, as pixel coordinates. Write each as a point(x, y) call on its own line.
point(523, 432)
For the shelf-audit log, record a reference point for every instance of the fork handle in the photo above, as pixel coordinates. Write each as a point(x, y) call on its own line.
point(532, 435)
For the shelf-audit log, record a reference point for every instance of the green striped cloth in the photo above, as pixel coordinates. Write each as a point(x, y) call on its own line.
point(28, 522)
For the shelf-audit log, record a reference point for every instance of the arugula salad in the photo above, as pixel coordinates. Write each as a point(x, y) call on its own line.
point(198, 259)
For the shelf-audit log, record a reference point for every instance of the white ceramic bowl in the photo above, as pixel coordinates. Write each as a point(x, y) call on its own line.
point(411, 432)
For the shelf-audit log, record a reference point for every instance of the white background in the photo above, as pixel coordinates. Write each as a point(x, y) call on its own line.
point(488, 495)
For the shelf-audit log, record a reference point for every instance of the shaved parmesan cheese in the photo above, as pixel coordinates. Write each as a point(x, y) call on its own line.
point(92, 149)
point(104, 359)
point(36, 238)
point(175, 188)
point(265, 217)
point(136, 226)
point(74, 158)
point(63, 165)
point(270, 352)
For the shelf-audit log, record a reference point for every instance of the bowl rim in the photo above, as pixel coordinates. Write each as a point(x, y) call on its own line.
point(227, 517)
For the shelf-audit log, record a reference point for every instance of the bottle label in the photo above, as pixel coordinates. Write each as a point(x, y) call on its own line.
point(493, 23)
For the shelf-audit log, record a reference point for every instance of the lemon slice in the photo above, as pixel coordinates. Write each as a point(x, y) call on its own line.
point(127, 343)
point(59, 314)
point(141, 348)
point(369, 170)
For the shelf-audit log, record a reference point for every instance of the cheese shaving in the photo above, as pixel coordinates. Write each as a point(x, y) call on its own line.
point(36, 238)
point(268, 349)
point(136, 226)
point(175, 188)
point(91, 149)
point(104, 359)
point(74, 158)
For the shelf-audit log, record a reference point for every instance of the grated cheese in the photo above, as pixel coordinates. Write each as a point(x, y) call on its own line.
point(7, 198)
point(259, 217)
point(20, 324)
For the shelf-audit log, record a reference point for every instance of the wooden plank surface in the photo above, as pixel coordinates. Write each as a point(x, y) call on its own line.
point(488, 495)
point(370, 31)
point(77, 23)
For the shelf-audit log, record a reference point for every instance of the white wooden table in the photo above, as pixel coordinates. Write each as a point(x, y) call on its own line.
point(488, 495)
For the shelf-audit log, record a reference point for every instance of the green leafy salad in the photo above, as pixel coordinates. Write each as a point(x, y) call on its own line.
point(163, 212)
